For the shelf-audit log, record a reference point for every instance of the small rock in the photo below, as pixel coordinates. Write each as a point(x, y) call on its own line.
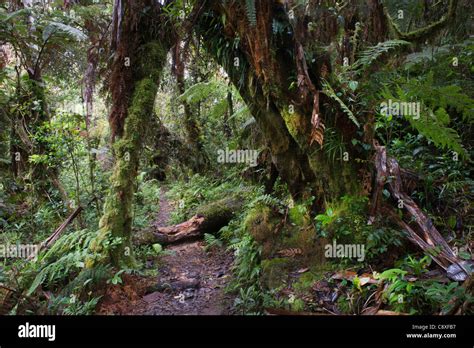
point(188, 294)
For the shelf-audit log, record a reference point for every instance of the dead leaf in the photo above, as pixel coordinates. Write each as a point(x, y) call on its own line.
point(348, 275)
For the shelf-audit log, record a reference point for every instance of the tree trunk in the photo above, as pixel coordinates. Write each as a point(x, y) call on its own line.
point(264, 73)
point(191, 123)
point(138, 63)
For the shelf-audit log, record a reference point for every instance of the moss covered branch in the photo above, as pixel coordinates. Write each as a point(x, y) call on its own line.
point(421, 33)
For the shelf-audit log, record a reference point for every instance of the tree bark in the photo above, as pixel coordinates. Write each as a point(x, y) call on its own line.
point(138, 63)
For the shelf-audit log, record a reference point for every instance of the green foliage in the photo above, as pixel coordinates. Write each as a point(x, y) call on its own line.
point(417, 267)
point(66, 256)
point(371, 54)
point(200, 91)
point(247, 275)
point(211, 241)
point(147, 198)
point(334, 145)
point(116, 279)
point(442, 294)
point(57, 28)
point(434, 120)
point(329, 91)
point(346, 222)
point(70, 305)
point(87, 280)
point(199, 190)
point(410, 295)
point(298, 214)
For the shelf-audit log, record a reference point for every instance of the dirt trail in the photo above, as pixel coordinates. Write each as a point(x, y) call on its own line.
point(191, 280)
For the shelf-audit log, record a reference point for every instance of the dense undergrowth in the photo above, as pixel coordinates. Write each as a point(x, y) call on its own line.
point(280, 243)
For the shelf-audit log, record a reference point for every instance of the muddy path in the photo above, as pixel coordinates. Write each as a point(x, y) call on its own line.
point(191, 280)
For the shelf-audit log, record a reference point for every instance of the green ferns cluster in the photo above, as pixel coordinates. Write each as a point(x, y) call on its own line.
point(67, 256)
point(434, 122)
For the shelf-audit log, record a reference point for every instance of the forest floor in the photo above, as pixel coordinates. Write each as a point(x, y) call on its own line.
point(191, 281)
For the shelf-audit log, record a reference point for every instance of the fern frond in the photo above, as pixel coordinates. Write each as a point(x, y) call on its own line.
point(434, 128)
point(371, 54)
point(267, 200)
point(251, 12)
point(327, 89)
point(88, 277)
point(218, 109)
point(65, 257)
point(434, 119)
point(54, 28)
point(211, 241)
point(198, 92)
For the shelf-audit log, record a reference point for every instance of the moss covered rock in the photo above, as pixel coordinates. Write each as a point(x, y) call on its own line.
point(262, 223)
point(275, 272)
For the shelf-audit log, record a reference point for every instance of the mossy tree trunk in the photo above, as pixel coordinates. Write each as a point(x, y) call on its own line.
point(140, 55)
point(278, 59)
point(272, 82)
point(29, 131)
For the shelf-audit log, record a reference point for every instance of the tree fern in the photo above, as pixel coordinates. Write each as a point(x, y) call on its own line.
point(218, 109)
point(371, 54)
point(327, 89)
point(60, 28)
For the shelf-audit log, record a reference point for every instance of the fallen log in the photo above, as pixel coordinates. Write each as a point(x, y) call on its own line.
point(209, 218)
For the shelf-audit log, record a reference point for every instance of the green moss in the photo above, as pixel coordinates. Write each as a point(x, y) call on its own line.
point(116, 221)
point(295, 124)
point(306, 280)
point(259, 223)
point(298, 215)
point(298, 305)
point(275, 272)
point(218, 213)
